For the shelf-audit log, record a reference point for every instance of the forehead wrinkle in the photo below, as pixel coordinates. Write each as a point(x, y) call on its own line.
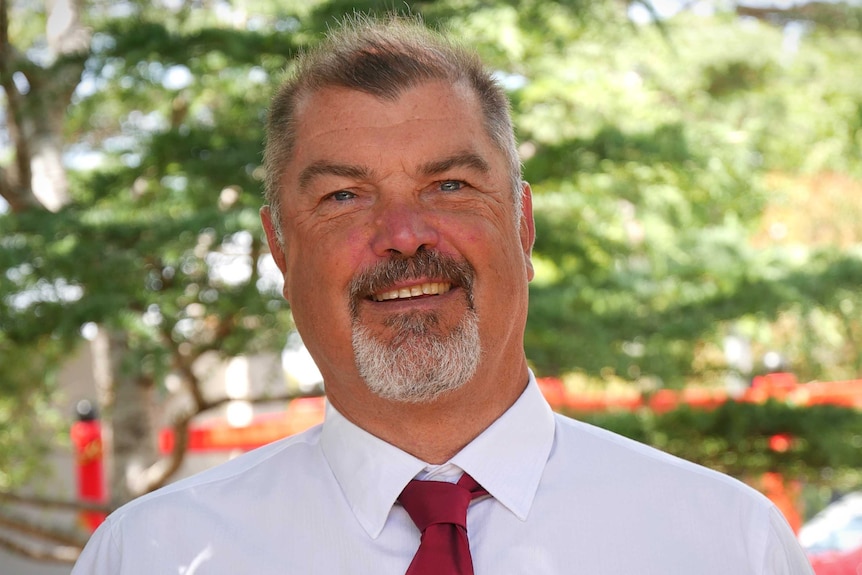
point(325, 168)
point(462, 159)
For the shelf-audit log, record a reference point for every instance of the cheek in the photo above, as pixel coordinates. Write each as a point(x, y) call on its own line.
point(356, 242)
point(321, 267)
point(346, 255)
point(465, 235)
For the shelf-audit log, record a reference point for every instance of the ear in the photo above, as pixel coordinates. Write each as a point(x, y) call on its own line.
point(527, 228)
point(276, 248)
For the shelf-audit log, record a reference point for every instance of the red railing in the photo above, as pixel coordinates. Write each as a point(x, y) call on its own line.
point(306, 412)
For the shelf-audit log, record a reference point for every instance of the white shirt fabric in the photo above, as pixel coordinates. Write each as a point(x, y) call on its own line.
point(566, 497)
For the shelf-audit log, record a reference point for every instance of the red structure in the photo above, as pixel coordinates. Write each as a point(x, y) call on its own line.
point(306, 412)
point(779, 386)
point(86, 435)
point(838, 563)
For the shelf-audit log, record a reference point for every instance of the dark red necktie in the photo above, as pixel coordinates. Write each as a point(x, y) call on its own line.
point(439, 510)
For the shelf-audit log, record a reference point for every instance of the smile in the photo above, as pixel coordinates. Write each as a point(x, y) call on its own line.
point(430, 288)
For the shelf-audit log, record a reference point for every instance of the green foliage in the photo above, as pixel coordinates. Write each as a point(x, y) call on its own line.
point(650, 165)
point(29, 428)
point(29, 425)
point(161, 240)
point(824, 447)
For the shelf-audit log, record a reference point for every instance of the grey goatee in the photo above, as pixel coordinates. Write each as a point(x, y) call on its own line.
point(417, 363)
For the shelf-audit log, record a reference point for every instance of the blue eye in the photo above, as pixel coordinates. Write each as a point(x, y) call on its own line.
point(342, 195)
point(451, 185)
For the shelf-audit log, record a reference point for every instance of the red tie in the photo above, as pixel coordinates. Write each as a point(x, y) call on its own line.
point(439, 510)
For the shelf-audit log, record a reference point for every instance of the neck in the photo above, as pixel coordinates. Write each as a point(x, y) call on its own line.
point(435, 431)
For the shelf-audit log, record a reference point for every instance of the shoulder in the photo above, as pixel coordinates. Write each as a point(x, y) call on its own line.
point(639, 470)
point(673, 515)
point(289, 459)
point(221, 509)
point(653, 498)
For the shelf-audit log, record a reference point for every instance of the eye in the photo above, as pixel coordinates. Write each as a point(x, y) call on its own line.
point(451, 185)
point(341, 196)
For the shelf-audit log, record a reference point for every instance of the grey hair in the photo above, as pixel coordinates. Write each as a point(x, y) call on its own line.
point(382, 57)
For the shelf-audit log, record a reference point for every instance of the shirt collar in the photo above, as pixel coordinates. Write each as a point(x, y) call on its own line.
point(371, 472)
point(507, 459)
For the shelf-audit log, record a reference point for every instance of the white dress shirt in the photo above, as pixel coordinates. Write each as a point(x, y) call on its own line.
point(566, 497)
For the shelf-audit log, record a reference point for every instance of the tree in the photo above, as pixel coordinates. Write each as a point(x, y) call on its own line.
point(159, 244)
point(653, 165)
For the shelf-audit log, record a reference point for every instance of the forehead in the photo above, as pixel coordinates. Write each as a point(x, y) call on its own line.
point(429, 98)
point(439, 115)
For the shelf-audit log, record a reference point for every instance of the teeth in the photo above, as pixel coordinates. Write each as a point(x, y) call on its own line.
point(432, 288)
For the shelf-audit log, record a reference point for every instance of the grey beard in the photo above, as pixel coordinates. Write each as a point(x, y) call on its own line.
point(417, 366)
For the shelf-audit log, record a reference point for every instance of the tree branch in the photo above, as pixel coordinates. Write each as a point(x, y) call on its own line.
point(159, 473)
point(15, 180)
point(58, 554)
point(825, 13)
point(34, 119)
point(51, 503)
point(67, 544)
point(35, 529)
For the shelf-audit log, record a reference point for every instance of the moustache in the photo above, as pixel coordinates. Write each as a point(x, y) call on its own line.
point(424, 264)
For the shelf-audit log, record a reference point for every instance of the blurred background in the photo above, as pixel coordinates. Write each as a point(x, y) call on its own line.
point(697, 178)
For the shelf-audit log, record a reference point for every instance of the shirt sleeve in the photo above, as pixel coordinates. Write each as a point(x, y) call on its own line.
point(101, 555)
point(784, 555)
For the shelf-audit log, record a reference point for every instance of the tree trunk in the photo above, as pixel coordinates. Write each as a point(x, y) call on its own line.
point(126, 399)
point(36, 107)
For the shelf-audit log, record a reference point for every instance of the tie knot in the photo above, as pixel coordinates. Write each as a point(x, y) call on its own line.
point(432, 502)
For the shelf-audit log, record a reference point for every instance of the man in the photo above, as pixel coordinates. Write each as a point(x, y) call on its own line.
point(399, 220)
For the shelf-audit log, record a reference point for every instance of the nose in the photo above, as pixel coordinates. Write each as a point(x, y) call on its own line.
point(402, 227)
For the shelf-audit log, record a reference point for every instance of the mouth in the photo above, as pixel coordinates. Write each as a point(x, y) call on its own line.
point(409, 281)
point(412, 291)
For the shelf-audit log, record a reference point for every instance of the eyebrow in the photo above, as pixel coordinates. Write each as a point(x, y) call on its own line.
point(324, 168)
point(458, 160)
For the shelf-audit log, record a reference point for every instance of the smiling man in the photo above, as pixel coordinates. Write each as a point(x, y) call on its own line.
point(405, 248)
point(397, 216)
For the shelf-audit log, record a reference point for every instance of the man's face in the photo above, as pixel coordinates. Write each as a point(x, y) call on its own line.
point(402, 262)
